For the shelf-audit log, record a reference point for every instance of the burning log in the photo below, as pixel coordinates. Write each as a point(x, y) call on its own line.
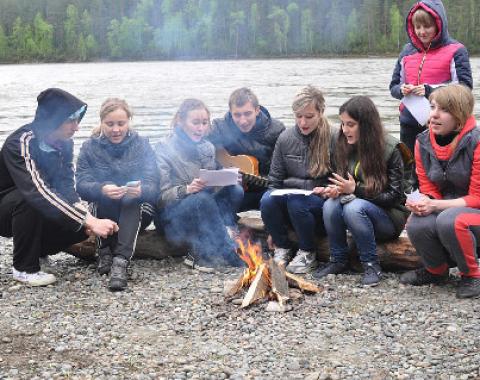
point(264, 279)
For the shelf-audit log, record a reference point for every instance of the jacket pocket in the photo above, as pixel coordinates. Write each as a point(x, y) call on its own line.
point(295, 166)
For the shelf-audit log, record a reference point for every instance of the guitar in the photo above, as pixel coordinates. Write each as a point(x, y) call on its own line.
point(247, 165)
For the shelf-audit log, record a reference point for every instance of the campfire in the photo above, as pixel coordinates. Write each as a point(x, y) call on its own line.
point(265, 280)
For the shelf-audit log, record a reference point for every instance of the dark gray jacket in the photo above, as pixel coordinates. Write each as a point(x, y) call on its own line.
point(259, 142)
point(179, 161)
point(290, 164)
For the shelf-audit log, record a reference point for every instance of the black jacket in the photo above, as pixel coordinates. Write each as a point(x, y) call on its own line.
point(259, 142)
point(100, 162)
point(290, 164)
point(42, 173)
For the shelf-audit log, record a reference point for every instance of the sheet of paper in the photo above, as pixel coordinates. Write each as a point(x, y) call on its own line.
point(222, 177)
point(419, 107)
point(414, 196)
point(290, 191)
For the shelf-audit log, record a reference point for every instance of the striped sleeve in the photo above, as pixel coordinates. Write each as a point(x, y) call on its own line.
point(36, 192)
point(473, 197)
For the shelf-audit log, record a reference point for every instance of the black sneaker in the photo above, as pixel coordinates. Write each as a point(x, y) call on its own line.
point(372, 274)
point(118, 274)
point(422, 276)
point(105, 260)
point(468, 287)
point(332, 267)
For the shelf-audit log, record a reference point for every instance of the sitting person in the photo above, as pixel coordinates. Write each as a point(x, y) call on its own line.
point(247, 129)
point(367, 192)
point(116, 173)
point(445, 221)
point(301, 160)
point(38, 203)
point(192, 212)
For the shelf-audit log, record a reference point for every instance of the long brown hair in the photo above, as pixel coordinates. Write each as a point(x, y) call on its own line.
point(319, 150)
point(370, 145)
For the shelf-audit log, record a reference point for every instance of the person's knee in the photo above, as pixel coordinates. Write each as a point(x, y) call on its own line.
point(267, 201)
point(330, 207)
point(416, 226)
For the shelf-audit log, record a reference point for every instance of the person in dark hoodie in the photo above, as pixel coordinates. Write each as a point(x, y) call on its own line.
point(247, 129)
point(431, 59)
point(116, 172)
point(39, 207)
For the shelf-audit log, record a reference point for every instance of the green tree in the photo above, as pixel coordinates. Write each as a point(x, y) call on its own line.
point(72, 32)
point(43, 38)
point(4, 53)
point(396, 27)
point(237, 19)
point(281, 26)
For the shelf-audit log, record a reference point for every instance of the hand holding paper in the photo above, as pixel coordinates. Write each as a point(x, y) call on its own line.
point(222, 177)
point(419, 107)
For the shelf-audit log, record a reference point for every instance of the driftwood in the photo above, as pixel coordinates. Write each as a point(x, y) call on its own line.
point(396, 254)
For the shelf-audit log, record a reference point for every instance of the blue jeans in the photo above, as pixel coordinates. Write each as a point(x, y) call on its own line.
point(365, 221)
point(303, 213)
point(200, 219)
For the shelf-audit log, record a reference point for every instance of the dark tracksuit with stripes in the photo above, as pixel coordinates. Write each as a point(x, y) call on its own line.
point(101, 162)
point(39, 207)
point(446, 173)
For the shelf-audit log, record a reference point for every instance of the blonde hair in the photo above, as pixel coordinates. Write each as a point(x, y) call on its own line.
point(182, 113)
point(422, 17)
point(319, 149)
point(108, 106)
point(457, 100)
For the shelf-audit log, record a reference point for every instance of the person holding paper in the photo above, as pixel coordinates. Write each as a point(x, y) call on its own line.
point(445, 223)
point(367, 192)
point(192, 212)
point(431, 58)
point(301, 160)
point(116, 173)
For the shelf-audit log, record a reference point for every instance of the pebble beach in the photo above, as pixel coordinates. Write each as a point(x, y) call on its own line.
point(174, 323)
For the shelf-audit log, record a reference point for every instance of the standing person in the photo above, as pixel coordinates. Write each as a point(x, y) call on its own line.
point(116, 173)
point(430, 59)
point(191, 212)
point(39, 207)
point(247, 129)
point(368, 190)
point(445, 221)
point(301, 160)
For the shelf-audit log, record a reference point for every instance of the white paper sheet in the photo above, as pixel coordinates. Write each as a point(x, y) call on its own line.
point(419, 107)
point(290, 191)
point(222, 177)
point(414, 196)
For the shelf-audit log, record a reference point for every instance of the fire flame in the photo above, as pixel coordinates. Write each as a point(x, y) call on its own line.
point(251, 254)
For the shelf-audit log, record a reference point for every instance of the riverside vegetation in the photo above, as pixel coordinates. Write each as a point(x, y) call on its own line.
point(85, 30)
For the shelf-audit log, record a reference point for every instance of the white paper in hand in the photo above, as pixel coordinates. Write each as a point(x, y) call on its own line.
point(419, 107)
point(279, 192)
point(414, 196)
point(222, 177)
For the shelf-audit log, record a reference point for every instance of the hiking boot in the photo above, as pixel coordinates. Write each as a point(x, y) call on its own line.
point(34, 279)
point(198, 264)
point(468, 287)
point(118, 274)
point(333, 267)
point(372, 274)
point(105, 259)
point(303, 262)
point(282, 256)
point(422, 276)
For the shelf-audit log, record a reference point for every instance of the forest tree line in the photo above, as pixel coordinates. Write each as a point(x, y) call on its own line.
point(86, 30)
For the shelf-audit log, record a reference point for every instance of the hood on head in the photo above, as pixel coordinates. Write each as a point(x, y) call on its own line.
point(437, 10)
point(54, 108)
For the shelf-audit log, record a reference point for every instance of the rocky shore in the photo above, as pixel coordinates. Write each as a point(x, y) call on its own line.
point(174, 323)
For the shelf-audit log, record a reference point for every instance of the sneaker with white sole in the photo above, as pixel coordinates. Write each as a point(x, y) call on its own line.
point(34, 279)
point(303, 262)
point(198, 264)
point(282, 256)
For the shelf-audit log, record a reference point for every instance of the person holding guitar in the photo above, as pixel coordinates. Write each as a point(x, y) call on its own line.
point(247, 129)
point(301, 160)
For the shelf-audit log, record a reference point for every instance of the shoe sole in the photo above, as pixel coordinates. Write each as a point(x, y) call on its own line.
point(36, 284)
point(300, 270)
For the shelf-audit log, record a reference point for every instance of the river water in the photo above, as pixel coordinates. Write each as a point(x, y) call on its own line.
point(155, 89)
